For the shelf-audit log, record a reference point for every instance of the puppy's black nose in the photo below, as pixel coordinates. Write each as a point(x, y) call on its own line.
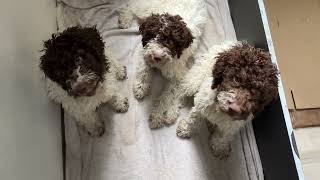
point(235, 111)
point(234, 108)
point(157, 55)
point(157, 59)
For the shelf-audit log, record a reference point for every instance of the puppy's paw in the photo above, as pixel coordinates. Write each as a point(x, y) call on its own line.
point(220, 151)
point(170, 117)
point(184, 130)
point(221, 154)
point(122, 105)
point(121, 74)
point(125, 19)
point(140, 91)
point(97, 130)
point(155, 122)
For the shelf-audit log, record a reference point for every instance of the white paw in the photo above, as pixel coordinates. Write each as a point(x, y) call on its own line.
point(155, 122)
point(170, 117)
point(184, 130)
point(122, 106)
point(121, 74)
point(220, 151)
point(140, 91)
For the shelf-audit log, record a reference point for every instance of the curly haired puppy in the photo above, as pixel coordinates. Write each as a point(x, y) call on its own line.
point(81, 77)
point(170, 31)
point(243, 81)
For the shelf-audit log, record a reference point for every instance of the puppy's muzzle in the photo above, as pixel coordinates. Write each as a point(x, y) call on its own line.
point(86, 88)
point(157, 56)
point(230, 104)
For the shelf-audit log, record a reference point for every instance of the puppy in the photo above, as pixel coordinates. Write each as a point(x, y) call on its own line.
point(170, 31)
point(243, 81)
point(81, 77)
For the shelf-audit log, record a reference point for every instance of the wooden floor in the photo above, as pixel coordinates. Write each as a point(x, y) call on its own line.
point(308, 141)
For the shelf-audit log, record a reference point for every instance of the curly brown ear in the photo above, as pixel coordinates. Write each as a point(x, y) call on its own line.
point(217, 72)
point(142, 29)
point(149, 27)
point(180, 33)
point(270, 83)
point(228, 62)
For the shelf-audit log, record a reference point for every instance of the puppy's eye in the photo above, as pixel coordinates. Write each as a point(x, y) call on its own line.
point(83, 89)
point(80, 51)
point(82, 70)
point(232, 112)
point(68, 82)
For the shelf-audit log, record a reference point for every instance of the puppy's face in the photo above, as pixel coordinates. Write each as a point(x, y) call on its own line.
point(245, 79)
point(75, 60)
point(81, 80)
point(236, 102)
point(164, 37)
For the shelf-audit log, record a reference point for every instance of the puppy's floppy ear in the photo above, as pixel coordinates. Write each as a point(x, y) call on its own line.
point(217, 73)
point(180, 33)
point(149, 28)
point(268, 82)
point(185, 36)
point(227, 63)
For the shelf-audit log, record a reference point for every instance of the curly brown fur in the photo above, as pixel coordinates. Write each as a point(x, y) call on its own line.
point(170, 31)
point(251, 72)
point(75, 46)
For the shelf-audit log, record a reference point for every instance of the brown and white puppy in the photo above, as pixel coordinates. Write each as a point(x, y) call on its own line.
point(170, 31)
point(80, 76)
point(246, 74)
point(164, 37)
point(230, 84)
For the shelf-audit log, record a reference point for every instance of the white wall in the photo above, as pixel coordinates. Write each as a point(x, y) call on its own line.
point(30, 140)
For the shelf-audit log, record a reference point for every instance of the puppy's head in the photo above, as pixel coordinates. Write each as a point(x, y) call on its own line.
point(75, 60)
point(164, 37)
point(246, 80)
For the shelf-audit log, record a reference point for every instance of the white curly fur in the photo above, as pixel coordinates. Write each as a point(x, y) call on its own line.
point(198, 83)
point(194, 14)
point(84, 109)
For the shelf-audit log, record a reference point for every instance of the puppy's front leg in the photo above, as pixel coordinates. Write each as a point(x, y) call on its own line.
point(143, 81)
point(221, 137)
point(118, 69)
point(119, 103)
point(187, 127)
point(192, 81)
point(165, 109)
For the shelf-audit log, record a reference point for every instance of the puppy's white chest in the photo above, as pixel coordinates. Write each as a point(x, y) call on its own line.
point(171, 70)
